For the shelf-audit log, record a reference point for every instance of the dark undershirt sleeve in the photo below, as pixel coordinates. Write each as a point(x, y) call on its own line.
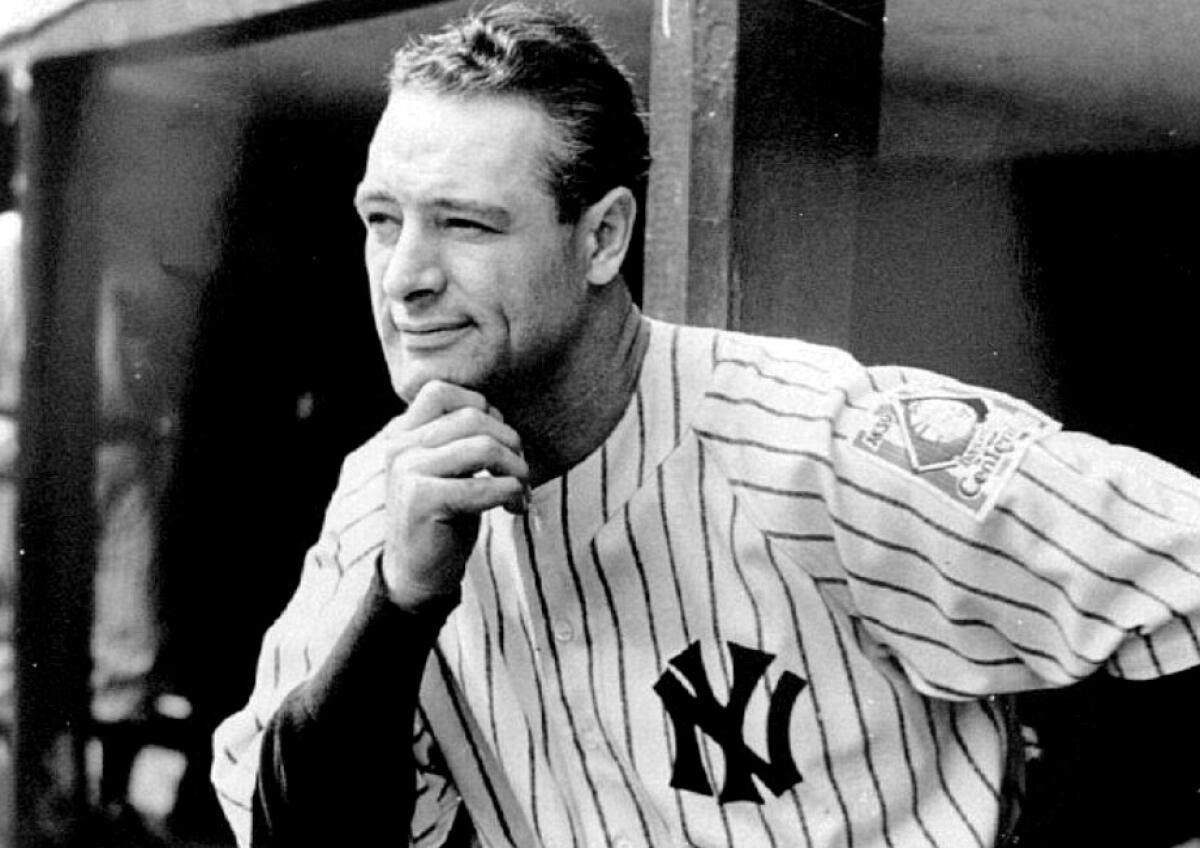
point(336, 766)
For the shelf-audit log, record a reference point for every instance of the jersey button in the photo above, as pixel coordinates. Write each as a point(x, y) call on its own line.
point(623, 842)
point(563, 631)
point(589, 736)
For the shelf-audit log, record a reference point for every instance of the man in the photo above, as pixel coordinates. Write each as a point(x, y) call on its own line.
point(609, 581)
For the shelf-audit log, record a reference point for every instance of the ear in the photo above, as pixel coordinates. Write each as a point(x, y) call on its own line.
point(607, 227)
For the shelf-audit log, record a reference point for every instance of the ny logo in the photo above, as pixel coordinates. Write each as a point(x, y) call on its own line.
point(698, 710)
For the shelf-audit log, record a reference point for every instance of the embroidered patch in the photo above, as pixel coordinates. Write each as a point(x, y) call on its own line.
point(963, 445)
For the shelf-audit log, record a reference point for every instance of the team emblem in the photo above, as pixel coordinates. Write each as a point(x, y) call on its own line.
point(698, 711)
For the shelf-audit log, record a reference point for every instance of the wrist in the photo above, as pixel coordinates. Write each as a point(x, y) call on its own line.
point(414, 599)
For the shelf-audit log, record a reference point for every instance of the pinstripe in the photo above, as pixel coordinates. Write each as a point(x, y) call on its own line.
point(914, 785)
point(640, 402)
point(545, 738)
point(460, 715)
point(767, 408)
point(620, 649)
point(709, 562)
point(645, 587)
point(798, 494)
point(793, 384)
point(767, 353)
point(710, 572)
point(665, 523)
point(489, 556)
point(566, 707)
point(1153, 653)
point(997, 723)
point(737, 567)
point(966, 587)
point(760, 643)
point(612, 753)
point(862, 724)
point(956, 621)
point(941, 772)
point(976, 545)
point(767, 375)
point(1129, 499)
point(363, 555)
point(962, 745)
point(813, 686)
point(356, 489)
point(666, 528)
point(1191, 497)
point(1124, 582)
point(229, 799)
point(712, 594)
point(1165, 556)
point(359, 519)
point(417, 837)
point(949, 534)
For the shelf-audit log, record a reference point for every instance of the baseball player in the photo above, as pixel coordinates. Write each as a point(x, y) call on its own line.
point(614, 582)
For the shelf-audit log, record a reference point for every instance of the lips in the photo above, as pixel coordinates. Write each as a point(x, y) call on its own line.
point(427, 333)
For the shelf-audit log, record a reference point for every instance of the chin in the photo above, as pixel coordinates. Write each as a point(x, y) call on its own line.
point(410, 382)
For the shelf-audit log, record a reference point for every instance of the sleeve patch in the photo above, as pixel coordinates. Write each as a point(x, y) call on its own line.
point(965, 446)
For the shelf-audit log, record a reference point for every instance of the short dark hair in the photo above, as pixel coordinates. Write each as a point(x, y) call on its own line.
point(550, 57)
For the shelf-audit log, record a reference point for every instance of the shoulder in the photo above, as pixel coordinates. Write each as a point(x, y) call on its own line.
point(768, 388)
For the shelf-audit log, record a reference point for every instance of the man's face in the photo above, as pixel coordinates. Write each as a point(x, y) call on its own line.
point(473, 279)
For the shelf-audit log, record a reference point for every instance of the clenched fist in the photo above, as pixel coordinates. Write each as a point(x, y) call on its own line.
point(450, 457)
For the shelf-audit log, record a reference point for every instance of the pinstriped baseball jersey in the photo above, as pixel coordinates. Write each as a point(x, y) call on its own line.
point(771, 609)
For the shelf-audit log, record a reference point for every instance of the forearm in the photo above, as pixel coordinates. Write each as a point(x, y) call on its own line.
point(336, 760)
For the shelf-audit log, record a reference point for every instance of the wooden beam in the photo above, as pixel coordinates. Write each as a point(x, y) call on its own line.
point(688, 275)
point(762, 114)
point(157, 27)
point(56, 519)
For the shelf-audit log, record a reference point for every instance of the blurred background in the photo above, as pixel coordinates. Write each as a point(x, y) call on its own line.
point(1000, 191)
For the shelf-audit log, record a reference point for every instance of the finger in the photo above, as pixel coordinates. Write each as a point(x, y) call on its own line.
point(435, 399)
point(474, 495)
point(462, 458)
point(462, 424)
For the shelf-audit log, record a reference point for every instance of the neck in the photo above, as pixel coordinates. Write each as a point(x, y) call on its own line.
point(567, 421)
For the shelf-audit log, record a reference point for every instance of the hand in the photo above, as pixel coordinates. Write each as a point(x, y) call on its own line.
point(450, 457)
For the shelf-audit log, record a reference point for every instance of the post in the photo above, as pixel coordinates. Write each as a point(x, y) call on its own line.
point(56, 523)
point(762, 114)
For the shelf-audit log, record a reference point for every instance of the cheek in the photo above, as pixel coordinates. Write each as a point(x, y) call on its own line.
point(375, 264)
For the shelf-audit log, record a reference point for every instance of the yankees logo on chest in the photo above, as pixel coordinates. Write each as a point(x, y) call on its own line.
point(696, 713)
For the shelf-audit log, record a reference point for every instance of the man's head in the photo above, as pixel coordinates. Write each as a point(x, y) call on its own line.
point(499, 207)
point(548, 57)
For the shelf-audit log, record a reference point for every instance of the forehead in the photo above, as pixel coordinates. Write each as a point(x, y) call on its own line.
point(427, 141)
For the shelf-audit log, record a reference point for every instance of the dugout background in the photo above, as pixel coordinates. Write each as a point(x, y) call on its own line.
point(1001, 192)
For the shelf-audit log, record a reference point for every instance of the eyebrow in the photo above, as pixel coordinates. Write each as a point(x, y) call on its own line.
point(495, 214)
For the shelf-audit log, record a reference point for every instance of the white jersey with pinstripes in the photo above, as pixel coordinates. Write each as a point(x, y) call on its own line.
point(729, 512)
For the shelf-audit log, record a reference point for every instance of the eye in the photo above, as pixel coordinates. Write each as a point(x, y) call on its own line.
point(382, 225)
point(468, 225)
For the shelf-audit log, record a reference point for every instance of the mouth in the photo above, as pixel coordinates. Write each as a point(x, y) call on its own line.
point(424, 335)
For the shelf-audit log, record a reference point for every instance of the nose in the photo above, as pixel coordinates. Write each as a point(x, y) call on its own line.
point(414, 267)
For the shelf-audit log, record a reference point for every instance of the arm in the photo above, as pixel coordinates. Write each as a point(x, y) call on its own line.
point(1070, 556)
point(1089, 558)
point(345, 649)
point(349, 722)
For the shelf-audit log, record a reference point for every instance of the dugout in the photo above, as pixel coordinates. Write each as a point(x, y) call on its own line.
point(1001, 192)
